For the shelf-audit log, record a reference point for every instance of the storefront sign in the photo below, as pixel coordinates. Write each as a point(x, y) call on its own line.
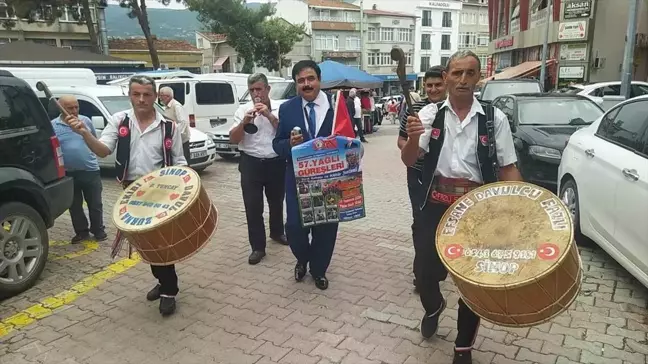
point(539, 17)
point(571, 72)
point(504, 43)
point(573, 52)
point(572, 30)
point(575, 9)
point(515, 26)
point(441, 4)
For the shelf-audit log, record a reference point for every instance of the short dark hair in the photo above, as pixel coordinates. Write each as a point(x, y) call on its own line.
point(142, 80)
point(256, 78)
point(434, 72)
point(302, 65)
point(464, 53)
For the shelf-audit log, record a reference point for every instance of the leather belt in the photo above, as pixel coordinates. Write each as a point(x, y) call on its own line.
point(260, 159)
point(448, 190)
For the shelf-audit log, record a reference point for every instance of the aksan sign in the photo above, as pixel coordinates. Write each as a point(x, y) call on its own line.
point(504, 43)
point(577, 9)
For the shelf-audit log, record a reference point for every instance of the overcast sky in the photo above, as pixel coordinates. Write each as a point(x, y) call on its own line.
point(174, 4)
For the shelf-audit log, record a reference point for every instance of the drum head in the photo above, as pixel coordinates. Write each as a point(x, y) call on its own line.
point(504, 234)
point(156, 198)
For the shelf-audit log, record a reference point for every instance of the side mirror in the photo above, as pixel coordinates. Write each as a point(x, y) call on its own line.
point(98, 122)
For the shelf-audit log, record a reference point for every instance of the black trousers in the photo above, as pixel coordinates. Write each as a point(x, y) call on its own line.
point(186, 151)
point(415, 189)
point(358, 124)
point(259, 176)
point(165, 274)
point(430, 271)
point(317, 251)
point(88, 187)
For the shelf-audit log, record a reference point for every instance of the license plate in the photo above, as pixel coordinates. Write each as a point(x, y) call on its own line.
point(196, 155)
point(222, 146)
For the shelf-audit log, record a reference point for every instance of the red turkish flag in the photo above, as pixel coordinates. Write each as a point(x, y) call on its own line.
point(342, 125)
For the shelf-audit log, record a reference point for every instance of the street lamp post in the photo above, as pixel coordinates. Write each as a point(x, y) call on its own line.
point(628, 57)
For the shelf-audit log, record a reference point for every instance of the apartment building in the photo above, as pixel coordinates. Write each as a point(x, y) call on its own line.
point(384, 30)
point(438, 38)
point(473, 30)
point(585, 44)
point(64, 32)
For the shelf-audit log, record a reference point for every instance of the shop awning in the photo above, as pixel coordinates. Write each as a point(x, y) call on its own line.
point(521, 70)
point(218, 65)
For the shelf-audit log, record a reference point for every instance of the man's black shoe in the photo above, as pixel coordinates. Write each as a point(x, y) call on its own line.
point(154, 294)
point(300, 272)
point(430, 322)
point(101, 236)
point(79, 238)
point(364, 140)
point(462, 357)
point(167, 305)
point(321, 282)
point(256, 257)
point(281, 239)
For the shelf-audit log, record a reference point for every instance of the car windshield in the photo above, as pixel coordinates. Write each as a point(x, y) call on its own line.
point(115, 104)
point(277, 91)
point(495, 89)
point(558, 111)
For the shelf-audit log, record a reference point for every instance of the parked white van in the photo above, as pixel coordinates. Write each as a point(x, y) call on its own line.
point(99, 103)
point(211, 105)
point(54, 76)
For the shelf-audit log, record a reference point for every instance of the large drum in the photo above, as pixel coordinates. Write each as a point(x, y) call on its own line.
point(166, 215)
point(509, 247)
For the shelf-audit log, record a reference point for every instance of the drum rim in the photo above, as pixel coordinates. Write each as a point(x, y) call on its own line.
point(115, 215)
point(522, 283)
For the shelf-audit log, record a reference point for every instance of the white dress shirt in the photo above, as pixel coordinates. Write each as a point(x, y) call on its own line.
point(175, 111)
point(146, 153)
point(259, 144)
point(358, 107)
point(322, 107)
point(458, 157)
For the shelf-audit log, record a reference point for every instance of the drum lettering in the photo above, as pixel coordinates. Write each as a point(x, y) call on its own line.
point(166, 187)
point(534, 194)
point(173, 172)
point(488, 266)
point(477, 253)
point(448, 231)
point(556, 214)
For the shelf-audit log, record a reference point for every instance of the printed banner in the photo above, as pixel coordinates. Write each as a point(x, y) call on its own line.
point(329, 180)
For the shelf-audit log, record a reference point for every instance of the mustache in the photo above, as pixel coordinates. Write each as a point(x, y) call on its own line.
point(308, 88)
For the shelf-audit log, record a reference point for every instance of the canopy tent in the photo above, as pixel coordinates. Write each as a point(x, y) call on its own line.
point(525, 69)
point(335, 74)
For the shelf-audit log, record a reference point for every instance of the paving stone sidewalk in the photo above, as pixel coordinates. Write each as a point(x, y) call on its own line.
point(233, 313)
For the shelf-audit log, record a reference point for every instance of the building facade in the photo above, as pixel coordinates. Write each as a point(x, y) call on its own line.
point(586, 39)
point(383, 31)
point(217, 55)
point(438, 38)
point(173, 54)
point(473, 30)
point(63, 32)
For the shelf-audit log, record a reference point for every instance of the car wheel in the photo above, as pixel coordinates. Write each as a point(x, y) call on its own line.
point(24, 245)
point(199, 169)
point(227, 156)
point(569, 196)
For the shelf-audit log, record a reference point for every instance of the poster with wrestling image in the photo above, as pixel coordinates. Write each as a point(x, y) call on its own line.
point(328, 173)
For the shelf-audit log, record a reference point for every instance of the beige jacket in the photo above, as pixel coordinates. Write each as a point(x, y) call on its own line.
point(175, 112)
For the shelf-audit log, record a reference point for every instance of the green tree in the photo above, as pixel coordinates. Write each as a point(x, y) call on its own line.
point(279, 37)
point(50, 10)
point(242, 26)
point(138, 10)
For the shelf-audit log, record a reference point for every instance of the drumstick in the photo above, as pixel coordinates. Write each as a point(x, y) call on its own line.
point(41, 86)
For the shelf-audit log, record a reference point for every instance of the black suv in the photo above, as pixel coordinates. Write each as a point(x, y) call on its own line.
point(34, 190)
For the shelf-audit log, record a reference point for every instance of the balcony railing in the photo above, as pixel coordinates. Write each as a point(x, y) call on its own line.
point(337, 19)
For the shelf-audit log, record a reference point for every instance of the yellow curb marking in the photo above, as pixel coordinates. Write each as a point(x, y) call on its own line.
point(88, 247)
point(47, 306)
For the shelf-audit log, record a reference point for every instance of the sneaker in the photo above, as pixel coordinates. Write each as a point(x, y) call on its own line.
point(154, 294)
point(167, 305)
point(462, 357)
point(430, 322)
point(101, 236)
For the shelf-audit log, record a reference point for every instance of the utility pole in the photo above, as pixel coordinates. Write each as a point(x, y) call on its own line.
point(628, 56)
point(543, 66)
point(362, 41)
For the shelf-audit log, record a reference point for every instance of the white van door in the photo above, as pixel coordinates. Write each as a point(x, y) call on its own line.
point(215, 105)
